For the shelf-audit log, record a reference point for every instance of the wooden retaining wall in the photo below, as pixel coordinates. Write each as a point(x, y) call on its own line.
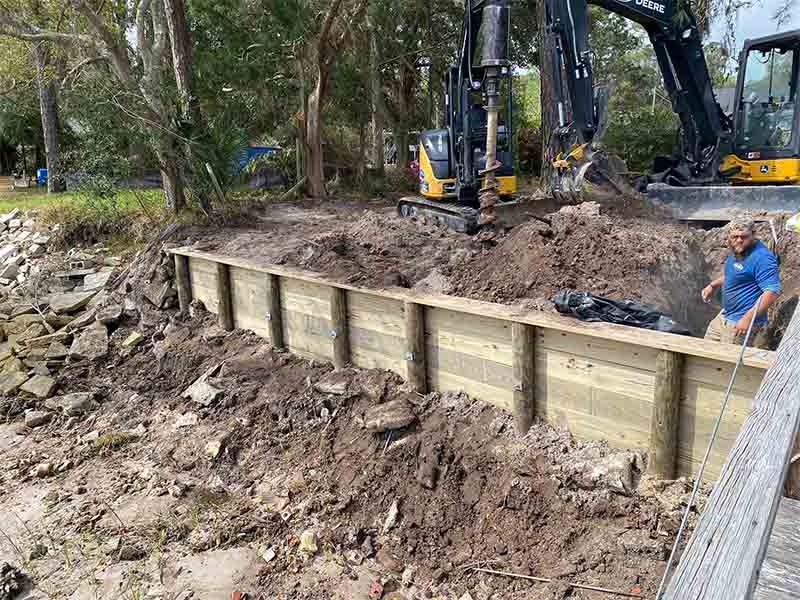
point(634, 388)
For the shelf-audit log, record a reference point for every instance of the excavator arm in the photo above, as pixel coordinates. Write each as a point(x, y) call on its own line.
point(672, 30)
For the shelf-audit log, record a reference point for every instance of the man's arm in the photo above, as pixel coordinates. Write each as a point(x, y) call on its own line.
point(764, 302)
point(708, 291)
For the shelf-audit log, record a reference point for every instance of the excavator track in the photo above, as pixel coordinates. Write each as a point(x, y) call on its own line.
point(462, 219)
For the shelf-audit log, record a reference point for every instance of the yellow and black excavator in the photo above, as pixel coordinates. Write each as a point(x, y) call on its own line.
point(747, 161)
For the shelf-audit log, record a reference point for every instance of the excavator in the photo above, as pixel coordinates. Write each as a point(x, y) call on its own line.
point(749, 160)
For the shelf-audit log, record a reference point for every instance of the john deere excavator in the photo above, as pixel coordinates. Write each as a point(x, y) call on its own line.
point(749, 161)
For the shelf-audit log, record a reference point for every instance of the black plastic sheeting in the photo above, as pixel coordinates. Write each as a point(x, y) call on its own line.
point(588, 307)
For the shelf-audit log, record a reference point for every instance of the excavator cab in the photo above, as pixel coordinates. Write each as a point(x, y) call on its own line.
point(766, 144)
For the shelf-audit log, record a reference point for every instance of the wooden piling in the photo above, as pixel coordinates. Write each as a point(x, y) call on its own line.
point(224, 302)
point(523, 342)
point(341, 341)
point(274, 317)
point(182, 282)
point(416, 371)
point(664, 421)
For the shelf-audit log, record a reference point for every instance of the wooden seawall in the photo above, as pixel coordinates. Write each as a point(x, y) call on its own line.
point(632, 387)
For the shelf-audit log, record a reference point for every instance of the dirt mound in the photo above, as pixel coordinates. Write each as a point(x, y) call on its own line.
point(382, 250)
point(656, 262)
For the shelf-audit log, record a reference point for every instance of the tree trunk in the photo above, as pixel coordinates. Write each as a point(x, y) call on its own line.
point(549, 107)
point(48, 105)
point(315, 174)
point(362, 152)
point(401, 142)
point(172, 183)
point(301, 130)
point(191, 116)
point(376, 92)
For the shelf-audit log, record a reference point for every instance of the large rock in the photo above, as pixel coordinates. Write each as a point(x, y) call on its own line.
point(72, 405)
point(37, 418)
point(617, 471)
point(11, 381)
point(69, 303)
point(110, 315)
point(40, 386)
point(202, 390)
point(9, 271)
point(56, 351)
point(91, 344)
point(158, 293)
point(391, 415)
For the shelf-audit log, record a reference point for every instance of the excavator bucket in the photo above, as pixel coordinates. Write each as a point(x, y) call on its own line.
point(716, 204)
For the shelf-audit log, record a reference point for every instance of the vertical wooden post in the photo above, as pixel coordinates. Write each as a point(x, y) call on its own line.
point(341, 341)
point(523, 341)
point(224, 301)
point(664, 422)
point(274, 318)
point(416, 370)
point(182, 282)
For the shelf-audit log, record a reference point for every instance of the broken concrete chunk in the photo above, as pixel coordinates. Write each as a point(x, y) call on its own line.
point(7, 251)
point(37, 418)
point(40, 386)
point(391, 517)
point(91, 344)
point(45, 341)
point(134, 339)
point(188, 419)
point(34, 330)
point(72, 405)
point(13, 365)
point(28, 224)
point(158, 293)
point(391, 415)
point(308, 542)
point(11, 381)
point(6, 218)
point(95, 281)
point(201, 391)
point(56, 351)
point(215, 447)
point(334, 383)
point(109, 315)
point(70, 303)
point(9, 271)
point(83, 320)
point(618, 471)
point(41, 238)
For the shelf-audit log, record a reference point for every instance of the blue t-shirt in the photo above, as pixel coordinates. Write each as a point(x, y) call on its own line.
point(746, 279)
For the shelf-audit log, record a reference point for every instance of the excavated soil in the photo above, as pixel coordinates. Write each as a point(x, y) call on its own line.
point(278, 488)
point(624, 252)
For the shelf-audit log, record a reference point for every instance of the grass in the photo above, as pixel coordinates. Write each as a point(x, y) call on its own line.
point(114, 440)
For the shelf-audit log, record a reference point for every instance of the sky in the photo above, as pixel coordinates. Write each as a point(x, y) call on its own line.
point(756, 22)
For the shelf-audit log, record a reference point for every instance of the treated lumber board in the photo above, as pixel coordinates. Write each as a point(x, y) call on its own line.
point(182, 282)
point(591, 427)
point(307, 335)
point(639, 337)
point(203, 277)
point(523, 339)
point(664, 423)
point(249, 300)
point(724, 555)
point(443, 381)
point(382, 315)
point(274, 315)
point(339, 331)
point(476, 336)
point(416, 364)
point(628, 355)
point(224, 301)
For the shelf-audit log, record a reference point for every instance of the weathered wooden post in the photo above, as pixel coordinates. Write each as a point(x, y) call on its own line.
point(224, 301)
point(523, 343)
point(416, 370)
point(183, 282)
point(664, 422)
point(341, 341)
point(274, 317)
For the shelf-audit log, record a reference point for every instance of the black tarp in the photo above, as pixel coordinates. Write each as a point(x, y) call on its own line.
point(588, 307)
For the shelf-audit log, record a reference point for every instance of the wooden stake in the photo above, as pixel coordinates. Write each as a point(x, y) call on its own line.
point(183, 282)
point(341, 341)
point(664, 421)
point(274, 317)
point(224, 302)
point(523, 341)
point(416, 369)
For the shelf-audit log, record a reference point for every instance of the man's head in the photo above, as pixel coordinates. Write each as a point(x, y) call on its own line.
point(741, 234)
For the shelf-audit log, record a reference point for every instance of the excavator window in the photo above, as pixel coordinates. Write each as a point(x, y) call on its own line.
point(769, 99)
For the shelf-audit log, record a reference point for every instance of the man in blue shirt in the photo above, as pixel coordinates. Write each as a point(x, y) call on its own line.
point(750, 276)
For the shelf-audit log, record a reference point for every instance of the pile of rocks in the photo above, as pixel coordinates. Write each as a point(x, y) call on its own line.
point(20, 243)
